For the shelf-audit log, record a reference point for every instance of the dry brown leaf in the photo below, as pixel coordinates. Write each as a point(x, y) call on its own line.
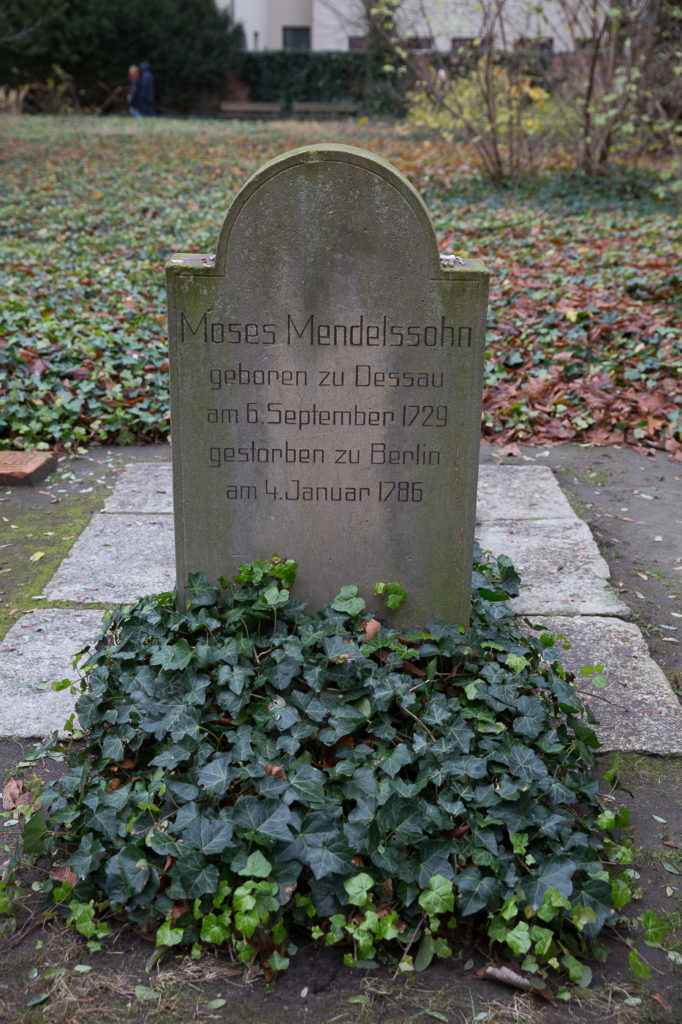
point(64, 874)
point(15, 795)
point(512, 975)
point(179, 908)
point(661, 1002)
point(276, 770)
point(371, 629)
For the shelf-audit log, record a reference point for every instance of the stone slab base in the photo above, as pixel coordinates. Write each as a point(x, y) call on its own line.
point(638, 710)
point(520, 492)
point(561, 569)
point(117, 559)
point(38, 650)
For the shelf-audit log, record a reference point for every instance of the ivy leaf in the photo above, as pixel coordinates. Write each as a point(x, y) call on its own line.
point(532, 720)
point(307, 785)
point(268, 818)
point(192, 876)
point(425, 953)
point(554, 873)
point(331, 857)
point(281, 669)
point(596, 893)
point(347, 601)
point(476, 891)
point(256, 866)
point(217, 774)
point(400, 817)
point(33, 834)
point(199, 592)
point(208, 835)
point(397, 759)
point(358, 888)
point(440, 897)
point(639, 968)
point(88, 855)
point(172, 657)
point(522, 762)
point(655, 929)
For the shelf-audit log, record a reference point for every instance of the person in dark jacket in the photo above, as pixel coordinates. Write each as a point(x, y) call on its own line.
point(145, 93)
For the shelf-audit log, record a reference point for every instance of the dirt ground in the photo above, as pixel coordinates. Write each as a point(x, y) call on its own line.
point(631, 501)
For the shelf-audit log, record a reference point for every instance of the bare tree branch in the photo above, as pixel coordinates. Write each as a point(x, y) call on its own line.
point(28, 29)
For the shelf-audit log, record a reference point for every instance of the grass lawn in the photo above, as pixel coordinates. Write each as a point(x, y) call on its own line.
point(586, 296)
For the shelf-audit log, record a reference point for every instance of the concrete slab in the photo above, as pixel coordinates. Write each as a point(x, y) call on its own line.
point(562, 571)
point(520, 492)
point(128, 551)
point(37, 650)
point(638, 710)
point(143, 487)
point(118, 558)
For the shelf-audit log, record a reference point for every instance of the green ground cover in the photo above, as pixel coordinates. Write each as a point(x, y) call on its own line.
point(584, 335)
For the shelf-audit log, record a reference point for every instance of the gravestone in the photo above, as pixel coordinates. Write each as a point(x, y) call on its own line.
point(326, 378)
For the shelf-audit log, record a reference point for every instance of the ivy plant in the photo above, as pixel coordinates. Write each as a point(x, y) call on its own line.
point(251, 770)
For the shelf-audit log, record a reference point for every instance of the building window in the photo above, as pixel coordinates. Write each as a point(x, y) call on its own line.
point(296, 38)
point(357, 43)
point(535, 44)
point(470, 44)
point(413, 43)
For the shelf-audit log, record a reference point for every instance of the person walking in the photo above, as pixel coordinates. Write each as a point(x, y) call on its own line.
point(133, 96)
point(146, 90)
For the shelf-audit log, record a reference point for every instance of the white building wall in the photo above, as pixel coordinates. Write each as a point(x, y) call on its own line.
point(293, 14)
point(333, 22)
point(252, 15)
point(264, 20)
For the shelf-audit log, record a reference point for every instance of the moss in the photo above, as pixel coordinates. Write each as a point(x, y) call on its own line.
point(41, 534)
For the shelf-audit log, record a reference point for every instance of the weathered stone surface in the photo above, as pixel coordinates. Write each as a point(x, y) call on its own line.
point(326, 378)
point(561, 569)
point(25, 467)
point(118, 558)
point(520, 492)
point(39, 649)
point(638, 710)
point(143, 487)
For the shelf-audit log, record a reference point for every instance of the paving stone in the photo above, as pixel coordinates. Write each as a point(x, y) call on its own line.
point(520, 492)
point(638, 710)
point(143, 487)
point(38, 650)
point(24, 467)
point(118, 558)
point(562, 571)
point(127, 551)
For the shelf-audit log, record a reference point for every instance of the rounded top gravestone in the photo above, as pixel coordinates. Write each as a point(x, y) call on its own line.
point(326, 379)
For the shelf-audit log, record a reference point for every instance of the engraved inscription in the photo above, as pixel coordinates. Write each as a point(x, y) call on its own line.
point(364, 332)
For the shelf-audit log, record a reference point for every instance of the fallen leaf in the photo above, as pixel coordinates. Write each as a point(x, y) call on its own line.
point(15, 795)
point(512, 975)
point(371, 629)
point(661, 1002)
point(276, 770)
point(63, 873)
